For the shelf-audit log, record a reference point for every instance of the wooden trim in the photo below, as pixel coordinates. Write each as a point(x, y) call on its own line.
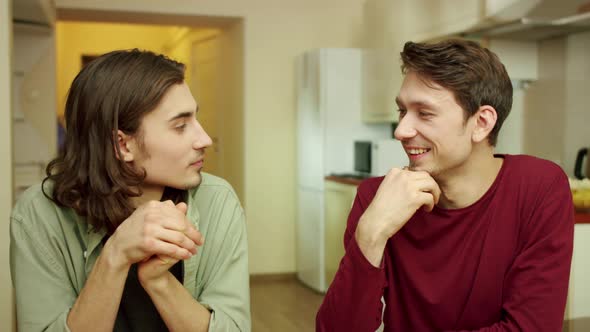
point(114, 16)
point(266, 277)
point(582, 217)
point(343, 180)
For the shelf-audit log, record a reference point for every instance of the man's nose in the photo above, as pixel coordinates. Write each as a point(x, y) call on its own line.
point(405, 129)
point(202, 140)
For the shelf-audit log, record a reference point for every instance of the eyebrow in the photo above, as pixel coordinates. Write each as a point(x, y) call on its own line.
point(181, 115)
point(417, 103)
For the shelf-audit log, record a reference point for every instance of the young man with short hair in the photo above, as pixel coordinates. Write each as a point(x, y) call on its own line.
point(461, 239)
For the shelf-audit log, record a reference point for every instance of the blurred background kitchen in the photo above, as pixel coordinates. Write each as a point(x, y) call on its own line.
point(298, 97)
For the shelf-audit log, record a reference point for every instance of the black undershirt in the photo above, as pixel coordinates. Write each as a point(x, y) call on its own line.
point(137, 312)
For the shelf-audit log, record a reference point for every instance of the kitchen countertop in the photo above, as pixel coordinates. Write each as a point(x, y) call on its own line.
point(344, 180)
point(581, 324)
point(580, 217)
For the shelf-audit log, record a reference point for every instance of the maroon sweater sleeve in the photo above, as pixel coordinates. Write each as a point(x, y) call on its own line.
point(353, 301)
point(536, 285)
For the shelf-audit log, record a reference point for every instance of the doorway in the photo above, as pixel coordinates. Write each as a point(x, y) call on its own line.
point(210, 47)
point(204, 58)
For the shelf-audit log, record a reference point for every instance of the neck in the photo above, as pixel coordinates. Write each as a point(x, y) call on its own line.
point(149, 194)
point(470, 181)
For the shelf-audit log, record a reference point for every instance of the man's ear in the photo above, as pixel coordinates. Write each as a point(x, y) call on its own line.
point(125, 143)
point(485, 120)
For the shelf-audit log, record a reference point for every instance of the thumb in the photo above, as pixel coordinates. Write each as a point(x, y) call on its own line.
point(163, 260)
point(182, 207)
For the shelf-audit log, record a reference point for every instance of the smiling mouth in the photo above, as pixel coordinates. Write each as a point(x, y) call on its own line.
point(417, 152)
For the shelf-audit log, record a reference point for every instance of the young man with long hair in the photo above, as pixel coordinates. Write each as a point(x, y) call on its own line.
point(462, 239)
point(109, 240)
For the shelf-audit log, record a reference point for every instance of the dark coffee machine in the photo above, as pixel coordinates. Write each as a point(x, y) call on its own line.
point(583, 152)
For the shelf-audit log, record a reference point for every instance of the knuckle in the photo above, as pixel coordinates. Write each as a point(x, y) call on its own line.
point(179, 238)
point(179, 252)
point(147, 244)
point(150, 217)
point(146, 230)
point(153, 204)
point(183, 226)
point(394, 170)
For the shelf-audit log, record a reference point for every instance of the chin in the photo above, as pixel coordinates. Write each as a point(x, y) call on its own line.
point(416, 168)
point(187, 183)
point(194, 182)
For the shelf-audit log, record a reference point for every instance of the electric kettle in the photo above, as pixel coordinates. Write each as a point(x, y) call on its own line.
point(583, 152)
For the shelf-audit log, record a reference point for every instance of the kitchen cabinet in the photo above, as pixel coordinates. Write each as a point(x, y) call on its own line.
point(429, 20)
point(578, 304)
point(338, 199)
point(437, 19)
point(424, 20)
point(388, 25)
point(382, 79)
point(441, 19)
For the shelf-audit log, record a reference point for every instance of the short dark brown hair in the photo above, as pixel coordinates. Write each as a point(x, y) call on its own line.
point(113, 92)
point(473, 73)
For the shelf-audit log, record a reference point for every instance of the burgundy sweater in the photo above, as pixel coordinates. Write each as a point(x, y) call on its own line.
point(501, 264)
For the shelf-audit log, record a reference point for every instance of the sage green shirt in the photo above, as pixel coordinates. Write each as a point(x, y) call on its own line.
point(53, 250)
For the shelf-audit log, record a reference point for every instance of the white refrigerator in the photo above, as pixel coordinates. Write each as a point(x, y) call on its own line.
point(328, 122)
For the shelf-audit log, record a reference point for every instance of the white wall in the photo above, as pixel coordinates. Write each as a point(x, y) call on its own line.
point(274, 33)
point(557, 114)
point(545, 111)
point(34, 60)
point(6, 299)
point(231, 102)
point(33, 89)
point(577, 105)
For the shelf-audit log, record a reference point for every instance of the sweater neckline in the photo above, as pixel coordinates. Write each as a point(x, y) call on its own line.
point(485, 196)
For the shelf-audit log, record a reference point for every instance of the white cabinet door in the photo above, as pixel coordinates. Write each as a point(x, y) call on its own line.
point(310, 232)
point(381, 77)
point(338, 201)
point(386, 22)
point(579, 288)
point(389, 24)
point(437, 19)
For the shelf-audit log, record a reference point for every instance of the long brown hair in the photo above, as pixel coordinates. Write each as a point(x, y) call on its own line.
point(473, 73)
point(113, 92)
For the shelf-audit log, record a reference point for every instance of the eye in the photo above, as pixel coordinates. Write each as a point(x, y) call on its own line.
point(401, 113)
point(424, 114)
point(180, 127)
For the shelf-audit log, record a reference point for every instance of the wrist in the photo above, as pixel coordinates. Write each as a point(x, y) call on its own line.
point(371, 242)
point(156, 285)
point(369, 233)
point(113, 257)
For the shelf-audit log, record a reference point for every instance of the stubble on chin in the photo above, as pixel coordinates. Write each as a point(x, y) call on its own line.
point(413, 167)
point(432, 172)
point(194, 183)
